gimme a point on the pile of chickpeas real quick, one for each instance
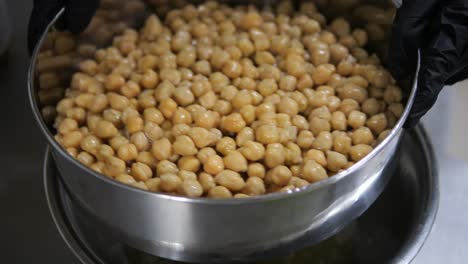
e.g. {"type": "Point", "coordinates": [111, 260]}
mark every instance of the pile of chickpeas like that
{"type": "Point", "coordinates": [221, 101]}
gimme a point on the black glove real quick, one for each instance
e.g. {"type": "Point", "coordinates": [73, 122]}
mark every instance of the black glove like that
{"type": "Point", "coordinates": [76, 18]}
{"type": "Point", "coordinates": [439, 28]}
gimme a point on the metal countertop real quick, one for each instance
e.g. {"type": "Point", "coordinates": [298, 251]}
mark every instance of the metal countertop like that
{"type": "Point", "coordinates": [28, 234]}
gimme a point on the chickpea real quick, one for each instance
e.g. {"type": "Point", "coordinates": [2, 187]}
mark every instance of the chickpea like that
{"type": "Point", "coordinates": [208, 100]}
{"type": "Point", "coordinates": [105, 129]}
{"type": "Point", "coordinates": [323, 141]}
{"type": "Point", "coordinates": [125, 178]}
{"type": "Point", "coordinates": [113, 166]}
{"type": "Point", "coordinates": [67, 125]}
{"type": "Point", "coordinates": [357, 152]}
{"type": "Point", "coordinates": [235, 161]}
{"type": "Point", "coordinates": [397, 109]}
{"type": "Point", "coordinates": [319, 98]}
{"type": "Point", "coordinates": [184, 145]}
{"type": "Point", "coordinates": [170, 182]}
{"type": "Point", "coordinates": [248, 113]}
{"type": "Point", "coordinates": [225, 145]}
{"type": "Point", "coordinates": [149, 79]}
{"type": "Point", "coordinates": [85, 158]}
{"type": "Point", "coordinates": [254, 186]}
{"type": "Point", "coordinates": [89, 144]}
{"type": "Point", "coordinates": [288, 106]}
{"type": "Point", "coordinates": [377, 123]}
{"type": "Point", "coordinates": [184, 96]}
{"type": "Point", "coordinates": [153, 115]}
{"type": "Point", "coordinates": [233, 123]}
{"type": "Point", "coordinates": [370, 106]}
{"type": "Point", "coordinates": [168, 107]}
{"type": "Point", "coordinates": [166, 166]}
{"type": "Point", "coordinates": [392, 94]}
{"type": "Point", "coordinates": [336, 161]}
{"type": "Point", "coordinates": [219, 192]}
{"type": "Point", "coordinates": [345, 68]}
{"type": "Point", "coordinates": [230, 179]}
{"type": "Point", "coordinates": [241, 99]}
{"type": "Point", "coordinates": [189, 163]}
{"type": "Point", "coordinates": [205, 153]}
{"type": "Point", "coordinates": [141, 171]}
{"type": "Point", "coordinates": [353, 91]}
{"type": "Point", "coordinates": [153, 184]}
{"type": "Point", "coordinates": [313, 172]}
{"type": "Point", "coordinates": [318, 125]}
{"type": "Point", "coordinates": [162, 149]}
{"type": "Point", "coordinates": [267, 134]}
{"type": "Point", "coordinates": [362, 135]}
{"type": "Point", "coordinates": [134, 124]}
{"type": "Point", "coordinates": [274, 155]}
{"type": "Point", "coordinates": [342, 144]}
{"type": "Point", "coordinates": [146, 158]}
{"type": "Point", "coordinates": [127, 152]}
{"type": "Point", "coordinates": [356, 119]}
{"type": "Point", "coordinates": [348, 105]}
{"type": "Point", "coordinates": [280, 175]}
{"type": "Point", "coordinates": [213, 165]}
{"type": "Point", "coordinates": [191, 188]}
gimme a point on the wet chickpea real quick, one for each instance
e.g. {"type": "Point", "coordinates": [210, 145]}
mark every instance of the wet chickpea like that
{"type": "Point", "coordinates": [85, 158]}
{"type": "Point", "coordinates": [141, 171]}
{"type": "Point", "coordinates": [348, 105]}
{"type": "Point", "coordinates": [362, 135]}
{"type": "Point", "coordinates": [397, 109]}
{"type": "Point", "coordinates": [233, 123]}
{"type": "Point", "coordinates": [342, 144]}
{"type": "Point", "coordinates": [212, 92]}
{"type": "Point", "coordinates": [313, 172]}
{"type": "Point", "coordinates": [274, 155]}
{"type": "Point", "coordinates": [162, 149]}
{"type": "Point", "coordinates": [230, 179]}
{"type": "Point", "coordinates": [153, 184]}
{"type": "Point", "coordinates": [370, 106]}
{"type": "Point", "coordinates": [169, 182]}
{"type": "Point", "coordinates": [89, 144]}
{"type": "Point", "coordinates": [219, 192]}
{"type": "Point", "coordinates": [357, 152]}
{"type": "Point", "coordinates": [225, 145]}
{"type": "Point", "coordinates": [134, 124]}
{"type": "Point", "coordinates": [125, 178]}
{"type": "Point", "coordinates": [67, 125]}
{"type": "Point", "coordinates": [213, 165]}
{"type": "Point", "coordinates": [323, 141]}
{"type": "Point", "coordinates": [356, 119]}
{"type": "Point", "coordinates": [235, 161]}
{"type": "Point", "coordinates": [336, 161]}
{"type": "Point", "coordinates": [153, 115]}
{"type": "Point", "coordinates": [377, 123]}
{"type": "Point", "coordinates": [150, 79]}
{"type": "Point", "coordinates": [113, 166]}
{"type": "Point", "coordinates": [127, 152]}
{"type": "Point", "coordinates": [204, 154]}
{"type": "Point", "coordinates": [166, 166]}
{"type": "Point", "coordinates": [288, 106]}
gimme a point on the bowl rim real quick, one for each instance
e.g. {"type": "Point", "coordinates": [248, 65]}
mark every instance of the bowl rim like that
{"type": "Point", "coordinates": [395, 132]}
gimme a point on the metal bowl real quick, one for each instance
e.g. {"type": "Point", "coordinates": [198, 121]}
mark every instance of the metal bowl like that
{"type": "Point", "coordinates": [211, 230]}
{"type": "Point", "coordinates": [391, 231]}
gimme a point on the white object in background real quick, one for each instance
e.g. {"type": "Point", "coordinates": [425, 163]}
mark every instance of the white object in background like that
{"type": "Point", "coordinates": [457, 143]}
{"type": "Point", "coordinates": [5, 30]}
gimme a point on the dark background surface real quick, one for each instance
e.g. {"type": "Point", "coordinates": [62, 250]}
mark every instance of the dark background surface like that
{"type": "Point", "coordinates": [27, 232]}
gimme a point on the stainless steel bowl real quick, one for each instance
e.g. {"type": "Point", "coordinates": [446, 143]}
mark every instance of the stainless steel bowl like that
{"type": "Point", "coordinates": [391, 231]}
{"type": "Point", "coordinates": [210, 230]}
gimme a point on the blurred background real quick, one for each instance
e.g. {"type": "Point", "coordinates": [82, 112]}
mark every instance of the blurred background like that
{"type": "Point", "coordinates": [28, 234]}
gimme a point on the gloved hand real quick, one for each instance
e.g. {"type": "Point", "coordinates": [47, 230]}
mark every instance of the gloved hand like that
{"type": "Point", "coordinates": [76, 18]}
{"type": "Point", "coordinates": [439, 28]}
